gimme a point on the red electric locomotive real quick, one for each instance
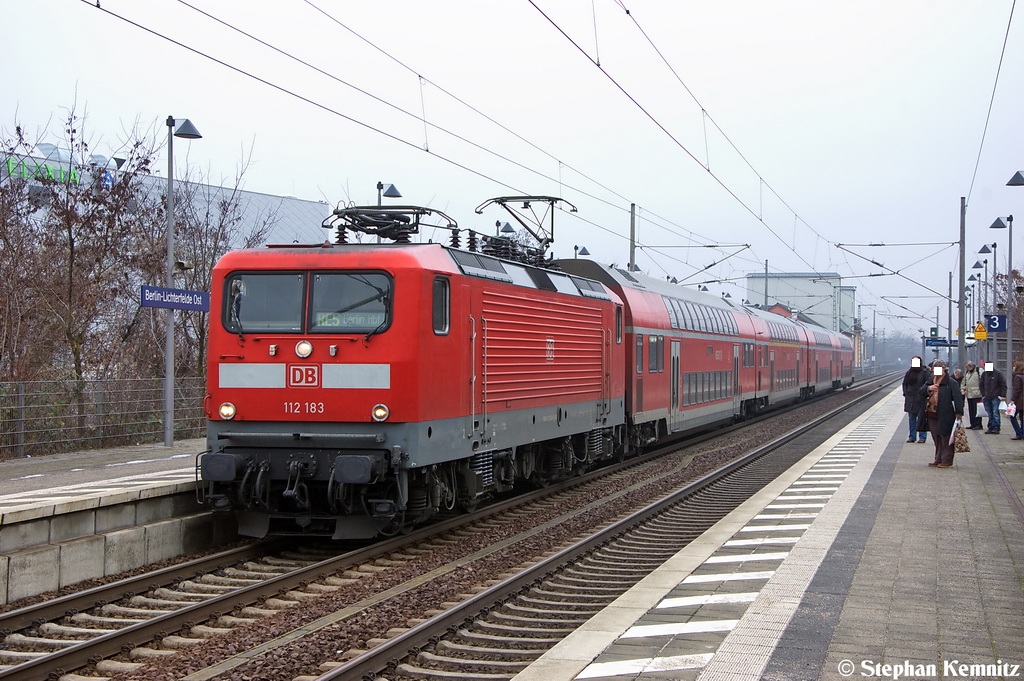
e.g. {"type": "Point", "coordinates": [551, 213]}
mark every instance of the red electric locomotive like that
{"type": "Point", "coordinates": [357, 389]}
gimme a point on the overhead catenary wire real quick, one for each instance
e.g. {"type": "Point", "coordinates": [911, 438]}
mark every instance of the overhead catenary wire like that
{"type": "Point", "coordinates": [396, 138]}
{"type": "Point", "coordinates": [647, 215]}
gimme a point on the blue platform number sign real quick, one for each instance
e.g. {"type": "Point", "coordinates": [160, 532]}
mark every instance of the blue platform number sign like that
{"type": "Point", "coordinates": [995, 323]}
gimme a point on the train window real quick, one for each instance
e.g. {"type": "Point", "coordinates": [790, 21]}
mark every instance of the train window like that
{"type": "Point", "coordinates": [541, 279]}
{"type": "Point", "coordinates": [639, 353]}
{"type": "Point", "coordinates": [652, 357]}
{"type": "Point", "coordinates": [686, 389]}
{"type": "Point", "coordinates": [590, 289]}
{"type": "Point", "coordinates": [673, 316]}
{"type": "Point", "coordinates": [441, 306]}
{"type": "Point", "coordinates": [264, 302]}
{"type": "Point", "coordinates": [618, 324]}
{"type": "Point", "coordinates": [482, 266]}
{"type": "Point", "coordinates": [661, 353]}
{"type": "Point", "coordinates": [691, 317]}
{"type": "Point", "coordinates": [357, 302]}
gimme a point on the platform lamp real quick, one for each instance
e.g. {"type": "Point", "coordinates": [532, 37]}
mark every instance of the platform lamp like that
{"type": "Point", "coordinates": [503, 228]}
{"type": "Point", "coordinates": [982, 284]}
{"type": "Point", "coordinates": [577, 251]}
{"type": "Point", "coordinates": [1008, 225]}
{"type": "Point", "coordinates": [185, 130]}
{"type": "Point", "coordinates": [985, 250]}
{"type": "Point", "coordinates": [389, 190]}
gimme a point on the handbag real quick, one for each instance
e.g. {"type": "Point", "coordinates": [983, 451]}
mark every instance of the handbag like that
{"type": "Point", "coordinates": [960, 444]}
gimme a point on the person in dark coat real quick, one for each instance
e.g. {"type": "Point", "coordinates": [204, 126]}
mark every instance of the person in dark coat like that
{"type": "Point", "coordinates": [993, 391]}
{"type": "Point", "coordinates": [944, 404]}
{"type": "Point", "coordinates": [913, 400]}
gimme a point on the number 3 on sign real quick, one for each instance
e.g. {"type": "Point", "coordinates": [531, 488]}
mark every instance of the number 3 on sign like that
{"type": "Point", "coordinates": [996, 322]}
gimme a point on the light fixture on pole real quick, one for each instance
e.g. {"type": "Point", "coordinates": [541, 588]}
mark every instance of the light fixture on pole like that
{"type": "Point", "coordinates": [983, 281]}
{"type": "Point", "coordinates": [503, 228]}
{"type": "Point", "coordinates": [1008, 225]}
{"type": "Point", "coordinates": [389, 190]}
{"type": "Point", "coordinates": [577, 251]}
{"type": "Point", "coordinates": [184, 130]}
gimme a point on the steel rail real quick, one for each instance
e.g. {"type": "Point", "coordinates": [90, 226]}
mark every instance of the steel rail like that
{"type": "Point", "coordinates": [382, 658]}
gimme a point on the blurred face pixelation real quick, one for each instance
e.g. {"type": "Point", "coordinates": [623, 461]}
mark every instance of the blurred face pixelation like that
{"type": "Point", "coordinates": [989, 366]}
{"type": "Point", "coordinates": [915, 363]}
{"type": "Point", "coordinates": [937, 371]}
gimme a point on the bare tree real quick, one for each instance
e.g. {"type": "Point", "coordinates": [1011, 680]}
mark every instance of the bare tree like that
{"type": "Point", "coordinates": [212, 221]}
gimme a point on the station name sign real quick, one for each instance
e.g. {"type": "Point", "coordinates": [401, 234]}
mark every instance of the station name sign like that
{"type": "Point", "coordinates": [175, 298]}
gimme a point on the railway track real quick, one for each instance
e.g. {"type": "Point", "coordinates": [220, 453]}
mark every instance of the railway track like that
{"type": "Point", "coordinates": [203, 605]}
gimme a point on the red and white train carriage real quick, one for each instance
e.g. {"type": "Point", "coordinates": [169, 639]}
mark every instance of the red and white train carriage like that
{"type": "Point", "coordinates": [709, 361]}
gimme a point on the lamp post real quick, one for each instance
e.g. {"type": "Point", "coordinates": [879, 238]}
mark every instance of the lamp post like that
{"type": "Point", "coordinates": [389, 190]}
{"type": "Point", "coordinates": [184, 130]}
{"type": "Point", "coordinates": [577, 251]}
{"type": "Point", "coordinates": [1008, 225]}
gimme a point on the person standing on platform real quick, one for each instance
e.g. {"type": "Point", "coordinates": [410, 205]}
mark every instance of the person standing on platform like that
{"type": "Point", "coordinates": [971, 389]}
{"type": "Point", "coordinates": [944, 404]}
{"type": "Point", "coordinates": [913, 401]}
{"type": "Point", "coordinates": [993, 391]}
{"type": "Point", "coordinates": [1017, 399]}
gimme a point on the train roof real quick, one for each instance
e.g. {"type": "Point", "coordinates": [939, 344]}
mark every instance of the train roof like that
{"type": "Point", "coordinates": [437, 257]}
{"type": "Point", "coordinates": [611, 275]}
{"type": "Point", "coordinates": [619, 277]}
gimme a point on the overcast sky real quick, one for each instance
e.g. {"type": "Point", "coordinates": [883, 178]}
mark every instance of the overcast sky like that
{"type": "Point", "coordinates": [790, 126]}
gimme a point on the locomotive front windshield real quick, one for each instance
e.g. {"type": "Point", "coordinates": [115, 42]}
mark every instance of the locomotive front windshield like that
{"type": "Point", "coordinates": [332, 302]}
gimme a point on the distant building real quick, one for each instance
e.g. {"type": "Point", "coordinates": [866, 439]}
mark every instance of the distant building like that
{"type": "Point", "coordinates": [293, 219]}
{"type": "Point", "coordinates": [819, 296]}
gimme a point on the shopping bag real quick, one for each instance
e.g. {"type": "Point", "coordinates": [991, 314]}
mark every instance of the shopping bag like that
{"type": "Point", "coordinates": [1011, 409]}
{"type": "Point", "coordinates": [958, 438]}
{"type": "Point", "coordinates": [1002, 405]}
{"type": "Point", "coordinates": [981, 409]}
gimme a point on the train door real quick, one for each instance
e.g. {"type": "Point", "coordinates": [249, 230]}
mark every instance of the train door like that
{"type": "Point", "coordinates": [760, 362]}
{"type": "Point", "coordinates": [675, 377]}
{"type": "Point", "coordinates": [737, 398]}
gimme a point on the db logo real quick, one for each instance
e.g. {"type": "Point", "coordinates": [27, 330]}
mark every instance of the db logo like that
{"type": "Point", "coordinates": [303, 375]}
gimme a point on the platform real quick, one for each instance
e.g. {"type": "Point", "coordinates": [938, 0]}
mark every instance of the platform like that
{"type": "Point", "coordinates": [82, 515]}
{"type": "Point", "coordinates": [861, 562]}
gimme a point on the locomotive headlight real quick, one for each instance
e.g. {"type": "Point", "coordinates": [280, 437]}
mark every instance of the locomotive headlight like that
{"type": "Point", "coordinates": [226, 411]}
{"type": "Point", "coordinates": [380, 412]}
{"type": "Point", "coordinates": [303, 348]}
